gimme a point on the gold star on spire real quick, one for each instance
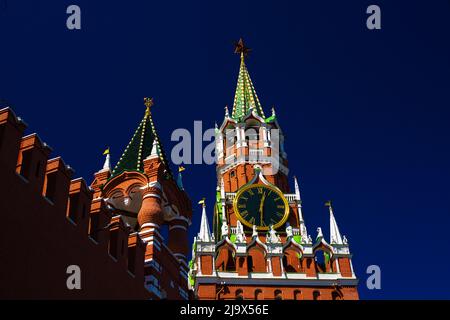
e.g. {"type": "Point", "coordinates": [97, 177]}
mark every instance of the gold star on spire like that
{"type": "Point", "coordinates": [148, 102]}
{"type": "Point", "coordinates": [239, 47]}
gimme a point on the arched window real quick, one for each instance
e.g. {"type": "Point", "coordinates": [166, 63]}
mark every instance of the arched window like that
{"type": "Point", "coordinates": [278, 295]}
{"type": "Point", "coordinates": [291, 261]}
{"type": "Point", "coordinates": [239, 295]}
{"type": "Point", "coordinates": [298, 295]}
{"type": "Point", "coordinates": [316, 295]}
{"type": "Point", "coordinates": [225, 260]}
{"type": "Point", "coordinates": [256, 261]}
{"type": "Point", "coordinates": [258, 294]}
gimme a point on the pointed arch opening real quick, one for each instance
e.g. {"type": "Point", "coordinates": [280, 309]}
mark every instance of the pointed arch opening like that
{"type": "Point", "coordinates": [256, 259]}
{"type": "Point", "coordinates": [225, 259]}
{"type": "Point", "coordinates": [323, 261]}
{"type": "Point", "coordinates": [292, 260]}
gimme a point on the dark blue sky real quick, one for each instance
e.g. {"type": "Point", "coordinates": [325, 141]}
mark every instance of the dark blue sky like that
{"type": "Point", "coordinates": [365, 113]}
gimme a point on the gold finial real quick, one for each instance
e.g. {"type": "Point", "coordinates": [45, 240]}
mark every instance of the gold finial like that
{"type": "Point", "coordinates": [328, 203]}
{"type": "Point", "coordinates": [239, 47]}
{"type": "Point", "coordinates": [148, 102]}
{"type": "Point", "coordinates": [203, 202]}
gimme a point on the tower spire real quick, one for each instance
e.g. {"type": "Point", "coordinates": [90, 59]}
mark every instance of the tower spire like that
{"type": "Point", "coordinates": [335, 235]}
{"type": "Point", "coordinates": [145, 142]}
{"type": "Point", "coordinates": [303, 231]}
{"type": "Point", "coordinates": [245, 96]}
{"type": "Point", "coordinates": [204, 234]}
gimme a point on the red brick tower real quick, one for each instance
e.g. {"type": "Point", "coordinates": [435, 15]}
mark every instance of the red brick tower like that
{"type": "Point", "coordinates": [142, 190]}
{"type": "Point", "coordinates": [260, 247]}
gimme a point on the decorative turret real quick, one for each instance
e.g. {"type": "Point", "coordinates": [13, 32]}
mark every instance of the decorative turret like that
{"type": "Point", "coordinates": [303, 231]}
{"type": "Point", "coordinates": [204, 233]}
{"type": "Point", "coordinates": [107, 164]}
{"type": "Point", "coordinates": [335, 235]}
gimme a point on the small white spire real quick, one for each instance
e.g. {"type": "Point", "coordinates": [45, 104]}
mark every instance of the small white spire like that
{"type": "Point", "coordinates": [273, 112]}
{"type": "Point", "coordinates": [155, 150]}
{"type": "Point", "coordinates": [303, 231]}
{"type": "Point", "coordinates": [297, 190]}
{"type": "Point", "coordinates": [107, 164]}
{"type": "Point", "coordinates": [204, 234]}
{"type": "Point", "coordinates": [335, 235]}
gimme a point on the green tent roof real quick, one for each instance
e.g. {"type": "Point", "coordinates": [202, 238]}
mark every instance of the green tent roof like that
{"type": "Point", "coordinates": [140, 147]}
{"type": "Point", "coordinates": [245, 96]}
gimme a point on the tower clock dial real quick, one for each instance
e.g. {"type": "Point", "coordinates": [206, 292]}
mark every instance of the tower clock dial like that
{"type": "Point", "coordinates": [261, 205]}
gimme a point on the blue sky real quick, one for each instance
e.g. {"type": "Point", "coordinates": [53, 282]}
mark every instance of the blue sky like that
{"type": "Point", "coordinates": [365, 112]}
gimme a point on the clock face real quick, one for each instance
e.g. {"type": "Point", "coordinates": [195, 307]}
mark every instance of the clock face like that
{"type": "Point", "coordinates": [262, 206]}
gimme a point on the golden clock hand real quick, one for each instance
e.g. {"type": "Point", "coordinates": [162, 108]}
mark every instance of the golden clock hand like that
{"type": "Point", "coordinates": [261, 206]}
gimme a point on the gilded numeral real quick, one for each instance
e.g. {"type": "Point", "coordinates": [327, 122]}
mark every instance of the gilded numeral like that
{"type": "Point", "coordinates": [260, 190]}
{"type": "Point", "coordinates": [280, 214]}
{"type": "Point", "coordinates": [241, 206]}
{"type": "Point", "coordinates": [250, 191]}
{"type": "Point", "coordinates": [280, 207]}
{"type": "Point", "coordinates": [276, 199]}
{"type": "Point", "coordinates": [252, 220]}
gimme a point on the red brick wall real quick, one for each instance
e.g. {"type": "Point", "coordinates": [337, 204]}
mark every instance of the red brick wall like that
{"type": "Point", "coordinates": [39, 241]}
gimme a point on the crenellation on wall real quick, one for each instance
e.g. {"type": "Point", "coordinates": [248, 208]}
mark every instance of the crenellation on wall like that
{"type": "Point", "coordinates": [41, 200]}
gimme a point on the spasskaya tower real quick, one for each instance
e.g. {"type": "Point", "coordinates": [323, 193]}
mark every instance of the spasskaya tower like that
{"type": "Point", "coordinates": [259, 246]}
